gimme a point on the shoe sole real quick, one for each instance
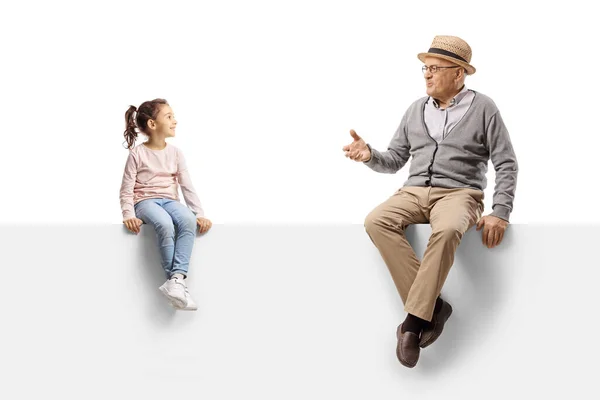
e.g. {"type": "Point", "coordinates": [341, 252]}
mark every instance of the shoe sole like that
{"type": "Point", "coordinates": [186, 308]}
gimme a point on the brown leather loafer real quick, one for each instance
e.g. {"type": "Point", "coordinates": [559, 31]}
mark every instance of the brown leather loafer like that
{"type": "Point", "coordinates": [407, 349]}
{"type": "Point", "coordinates": [430, 334]}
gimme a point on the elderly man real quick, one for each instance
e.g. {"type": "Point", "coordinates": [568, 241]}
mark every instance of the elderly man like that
{"type": "Point", "coordinates": [450, 134]}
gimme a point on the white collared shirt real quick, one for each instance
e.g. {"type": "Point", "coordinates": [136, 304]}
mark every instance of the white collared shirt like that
{"type": "Point", "coordinates": [440, 122]}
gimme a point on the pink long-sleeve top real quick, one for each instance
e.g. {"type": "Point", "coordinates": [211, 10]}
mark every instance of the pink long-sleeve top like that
{"type": "Point", "coordinates": [151, 174]}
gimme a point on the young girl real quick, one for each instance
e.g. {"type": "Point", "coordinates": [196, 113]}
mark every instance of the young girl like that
{"type": "Point", "coordinates": [149, 194]}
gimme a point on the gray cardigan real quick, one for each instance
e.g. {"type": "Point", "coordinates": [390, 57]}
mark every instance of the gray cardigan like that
{"type": "Point", "coordinates": [461, 159]}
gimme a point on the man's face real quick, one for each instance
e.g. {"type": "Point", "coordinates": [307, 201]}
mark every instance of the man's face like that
{"type": "Point", "coordinates": [443, 83]}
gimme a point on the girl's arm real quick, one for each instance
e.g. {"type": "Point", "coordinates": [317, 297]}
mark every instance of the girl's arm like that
{"type": "Point", "coordinates": [187, 188]}
{"type": "Point", "coordinates": [126, 193]}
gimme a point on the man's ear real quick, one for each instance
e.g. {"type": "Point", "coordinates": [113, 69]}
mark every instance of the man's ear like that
{"type": "Point", "coordinates": [460, 74]}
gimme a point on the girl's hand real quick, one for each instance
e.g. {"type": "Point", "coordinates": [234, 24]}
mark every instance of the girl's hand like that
{"type": "Point", "coordinates": [133, 224]}
{"type": "Point", "coordinates": [204, 224]}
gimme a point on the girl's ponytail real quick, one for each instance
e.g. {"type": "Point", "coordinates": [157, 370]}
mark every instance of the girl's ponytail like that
{"type": "Point", "coordinates": [130, 133]}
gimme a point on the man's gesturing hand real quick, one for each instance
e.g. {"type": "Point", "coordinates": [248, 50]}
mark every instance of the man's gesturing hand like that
{"type": "Point", "coordinates": [358, 149]}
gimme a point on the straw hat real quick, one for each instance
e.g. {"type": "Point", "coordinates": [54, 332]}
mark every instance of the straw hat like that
{"type": "Point", "coordinates": [450, 48]}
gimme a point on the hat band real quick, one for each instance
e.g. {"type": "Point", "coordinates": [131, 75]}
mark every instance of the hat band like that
{"type": "Point", "coordinates": [435, 50]}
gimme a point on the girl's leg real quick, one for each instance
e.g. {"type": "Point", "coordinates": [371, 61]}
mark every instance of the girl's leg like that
{"type": "Point", "coordinates": [152, 213]}
{"type": "Point", "coordinates": [185, 230]}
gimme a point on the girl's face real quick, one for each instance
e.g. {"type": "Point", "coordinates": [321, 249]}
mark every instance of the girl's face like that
{"type": "Point", "coordinates": [165, 123]}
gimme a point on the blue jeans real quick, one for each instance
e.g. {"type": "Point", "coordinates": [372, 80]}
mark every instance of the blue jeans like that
{"type": "Point", "coordinates": [175, 227]}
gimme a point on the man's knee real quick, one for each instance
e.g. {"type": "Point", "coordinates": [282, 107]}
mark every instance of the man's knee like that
{"type": "Point", "coordinates": [448, 233]}
{"type": "Point", "coordinates": [371, 220]}
{"type": "Point", "coordinates": [378, 219]}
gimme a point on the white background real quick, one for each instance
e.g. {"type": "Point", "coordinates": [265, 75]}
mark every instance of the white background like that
{"type": "Point", "coordinates": [265, 93]}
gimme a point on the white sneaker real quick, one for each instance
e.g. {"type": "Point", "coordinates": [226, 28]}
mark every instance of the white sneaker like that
{"type": "Point", "coordinates": [190, 303]}
{"type": "Point", "coordinates": [175, 290]}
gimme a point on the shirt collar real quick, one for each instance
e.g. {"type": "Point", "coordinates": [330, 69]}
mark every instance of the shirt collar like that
{"type": "Point", "coordinates": [455, 100]}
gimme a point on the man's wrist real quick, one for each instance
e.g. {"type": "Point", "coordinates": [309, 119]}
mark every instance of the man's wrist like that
{"type": "Point", "coordinates": [370, 154]}
{"type": "Point", "coordinates": [501, 212]}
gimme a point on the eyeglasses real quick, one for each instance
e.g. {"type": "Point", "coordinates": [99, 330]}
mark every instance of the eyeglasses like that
{"type": "Point", "coordinates": [434, 68]}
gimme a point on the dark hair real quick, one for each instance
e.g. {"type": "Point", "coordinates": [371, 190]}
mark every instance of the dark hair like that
{"type": "Point", "coordinates": [147, 110]}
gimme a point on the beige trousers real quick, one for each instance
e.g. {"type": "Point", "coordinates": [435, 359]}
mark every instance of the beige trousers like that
{"type": "Point", "coordinates": [451, 212]}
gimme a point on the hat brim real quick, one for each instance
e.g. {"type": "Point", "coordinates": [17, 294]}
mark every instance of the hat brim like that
{"type": "Point", "coordinates": [470, 69]}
